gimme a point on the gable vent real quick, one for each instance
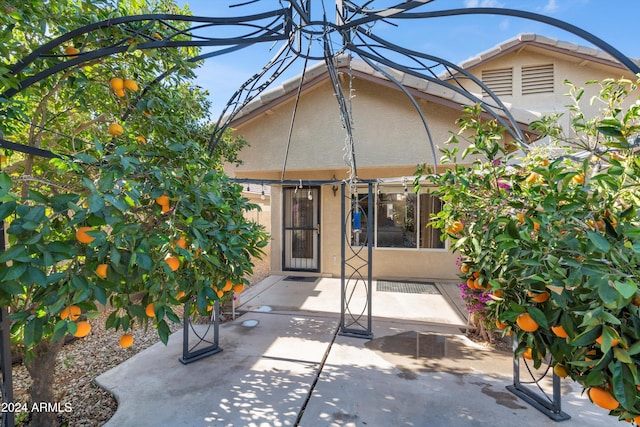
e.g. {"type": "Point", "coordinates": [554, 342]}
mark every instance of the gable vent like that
{"type": "Point", "coordinates": [537, 79]}
{"type": "Point", "coordinates": [499, 82]}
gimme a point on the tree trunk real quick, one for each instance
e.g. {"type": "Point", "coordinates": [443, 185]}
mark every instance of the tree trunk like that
{"type": "Point", "coordinates": [42, 370]}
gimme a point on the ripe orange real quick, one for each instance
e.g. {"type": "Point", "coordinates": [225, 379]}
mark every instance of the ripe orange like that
{"type": "Point", "coordinates": [141, 139]}
{"type": "Point", "coordinates": [116, 83]}
{"type": "Point", "coordinates": [181, 242]}
{"type": "Point", "coordinates": [455, 227]}
{"type": "Point", "coordinates": [544, 162]}
{"type": "Point", "coordinates": [173, 263]}
{"type": "Point", "coordinates": [131, 85]}
{"type": "Point", "coordinates": [541, 297]}
{"type": "Point", "coordinates": [465, 268]}
{"type": "Point", "coordinates": [126, 340]}
{"type": "Point", "coordinates": [180, 295]}
{"type": "Point", "coordinates": [162, 200]}
{"type": "Point", "coordinates": [83, 329]}
{"type": "Point", "coordinates": [614, 342]}
{"type": "Point", "coordinates": [559, 331]}
{"type": "Point", "coordinates": [228, 286]}
{"type": "Point", "coordinates": [578, 179]}
{"type": "Point", "coordinates": [521, 217]}
{"type": "Point", "coordinates": [536, 226]}
{"type": "Point", "coordinates": [533, 178]}
{"type": "Point", "coordinates": [166, 208]}
{"type": "Point", "coordinates": [101, 271]}
{"type": "Point", "coordinates": [220, 293]}
{"type": "Point", "coordinates": [238, 288]}
{"type": "Point", "coordinates": [501, 325]}
{"type": "Point", "coordinates": [561, 371]}
{"type": "Point", "coordinates": [115, 129]}
{"type": "Point", "coordinates": [119, 93]}
{"type": "Point", "coordinates": [71, 312]}
{"type": "Point", "coordinates": [526, 323]}
{"type": "Point", "coordinates": [498, 293]}
{"type": "Point", "coordinates": [82, 236]}
{"type": "Point", "coordinates": [147, 113]}
{"type": "Point", "coordinates": [603, 398]}
{"type": "Point", "coordinates": [71, 51]}
{"type": "Point", "coordinates": [150, 310]}
{"type": "Point", "coordinates": [527, 354]}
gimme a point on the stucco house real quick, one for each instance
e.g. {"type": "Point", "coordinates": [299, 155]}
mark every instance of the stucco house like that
{"type": "Point", "coordinates": [527, 73]}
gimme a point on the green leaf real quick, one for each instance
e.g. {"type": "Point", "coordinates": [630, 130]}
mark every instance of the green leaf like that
{"type": "Point", "coordinates": [6, 209]}
{"type": "Point", "coordinates": [34, 275]}
{"type": "Point", "coordinates": [29, 333]}
{"type": "Point", "coordinates": [587, 337]}
{"type": "Point", "coordinates": [14, 253]}
{"type": "Point", "coordinates": [626, 289]}
{"type": "Point", "coordinates": [621, 355]}
{"type": "Point", "coordinates": [144, 261]}
{"type": "Point", "coordinates": [15, 271]}
{"type": "Point", "coordinates": [599, 241]}
{"type": "Point", "coordinates": [105, 183]}
{"type": "Point", "coordinates": [96, 203]}
{"type": "Point", "coordinates": [624, 389]}
{"type": "Point", "coordinates": [608, 294]}
{"type": "Point", "coordinates": [163, 331]}
{"type": "Point", "coordinates": [59, 330]}
{"type": "Point", "coordinates": [538, 316]}
{"type": "Point", "coordinates": [60, 202]}
{"type": "Point", "coordinates": [5, 184]}
{"type": "Point", "coordinates": [100, 295]}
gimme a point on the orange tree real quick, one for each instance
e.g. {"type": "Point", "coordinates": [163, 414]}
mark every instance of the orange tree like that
{"type": "Point", "coordinates": [135, 216]}
{"type": "Point", "coordinates": [555, 240]}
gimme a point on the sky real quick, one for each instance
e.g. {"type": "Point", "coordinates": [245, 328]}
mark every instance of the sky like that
{"type": "Point", "coordinates": [455, 38]}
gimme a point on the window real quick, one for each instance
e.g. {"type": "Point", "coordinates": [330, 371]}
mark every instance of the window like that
{"type": "Point", "coordinates": [537, 79]}
{"type": "Point", "coordinates": [400, 220]}
{"type": "Point", "coordinates": [500, 82]}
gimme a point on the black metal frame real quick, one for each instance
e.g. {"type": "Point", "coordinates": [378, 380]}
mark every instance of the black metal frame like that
{"type": "Point", "coordinates": [210, 346]}
{"type": "Point", "coordinates": [551, 407]}
{"type": "Point", "coordinates": [355, 273]}
{"type": "Point", "coordinates": [291, 24]}
{"type": "Point", "coordinates": [316, 228]}
{"type": "Point", "coordinates": [8, 418]}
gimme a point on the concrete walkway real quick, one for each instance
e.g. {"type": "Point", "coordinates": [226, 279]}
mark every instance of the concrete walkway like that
{"type": "Point", "coordinates": [294, 369]}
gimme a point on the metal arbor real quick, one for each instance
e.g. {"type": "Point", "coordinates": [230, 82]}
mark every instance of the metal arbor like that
{"type": "Point", "coordinates": [306, 33]}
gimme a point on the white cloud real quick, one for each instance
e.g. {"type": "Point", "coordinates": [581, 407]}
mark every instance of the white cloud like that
{"type": "Point", "coordinates": [551, 6]}
{"type": "Point", "coordinates": [483, 3]}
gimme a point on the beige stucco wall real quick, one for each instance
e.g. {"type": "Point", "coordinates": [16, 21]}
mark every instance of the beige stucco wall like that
{"type": "Point", "coordinates": [390, 141]}
{"type": "Point", "coordinates": [388, 135]}
{"type": "Point", "coordinates": [576, 70]}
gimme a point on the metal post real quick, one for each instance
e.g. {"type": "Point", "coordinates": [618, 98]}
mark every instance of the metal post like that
{"type": "Point", "coordinates": [8, 418]}
{"type": "Point", "coordinates": [355, 265]}
{"type": "Point", "coordinates": [211, 347]}
{"type": "Point", "coordinates": [550, 407]}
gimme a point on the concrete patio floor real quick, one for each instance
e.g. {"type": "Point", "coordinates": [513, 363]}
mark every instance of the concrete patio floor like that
{"type": "Point", "coordinates": [293, 368]}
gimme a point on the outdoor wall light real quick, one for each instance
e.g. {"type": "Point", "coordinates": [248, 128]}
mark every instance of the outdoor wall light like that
{"type": "Point", "coordinates": [309, 195]}
{"type": "Point", "coordinates": [262, 197]}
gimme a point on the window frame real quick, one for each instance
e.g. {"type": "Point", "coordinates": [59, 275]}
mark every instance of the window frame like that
{"type": "Point", "coordinates": [419, 207]}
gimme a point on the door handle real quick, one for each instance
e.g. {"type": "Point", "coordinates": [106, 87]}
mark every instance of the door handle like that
{"type": "Point", "coordinates": [318, 229]}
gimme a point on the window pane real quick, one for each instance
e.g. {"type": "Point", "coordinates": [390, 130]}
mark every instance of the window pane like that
{"type": "Point", "coordinates": [396, 220]}
{"type": "Point", "coordinates": [429, 236]}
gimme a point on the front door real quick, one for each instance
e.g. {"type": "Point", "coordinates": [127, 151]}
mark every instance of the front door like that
{"type": "Point", "coordinates": [301, 229]}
